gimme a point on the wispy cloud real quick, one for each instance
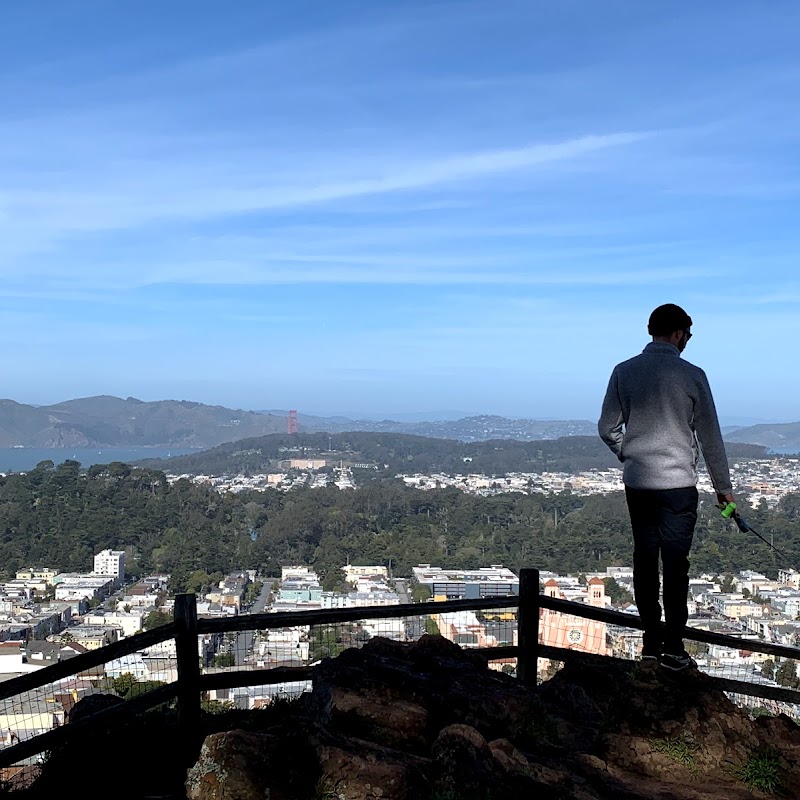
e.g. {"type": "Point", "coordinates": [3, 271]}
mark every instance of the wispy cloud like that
{"type": "Point", "coordinates": [136, 195]}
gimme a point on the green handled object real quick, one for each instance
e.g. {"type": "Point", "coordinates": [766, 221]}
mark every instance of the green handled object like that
{"type": "Point", "coordinates": [729, 510]}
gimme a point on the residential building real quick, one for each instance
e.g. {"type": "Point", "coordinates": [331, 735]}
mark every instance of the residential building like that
{"type": "Point", "coordinates": [91, 637]}
{"type": "Point", "coordinates": [34, 574]}
{"type": "Point", "coordinates": [352, 573]}
{"type": "Point", "coordinates": [129, 623]}
{"type": "Point", "coordinates": [74, 586]}
{"type": "Point", "coordinates": [789, 577]}
{"type": "Point", "coordinates": [25, 718]}
{"type": "Point", "coordinates": [132, 664]}
{"type": "Point", "coordinates": [12, 662]}
{"type": "Point", "coordinates": [462, 627]}
{"type": "Point", "coordinates": [111, 562]}
{"type": "Point", "coordinates": [734, 606]}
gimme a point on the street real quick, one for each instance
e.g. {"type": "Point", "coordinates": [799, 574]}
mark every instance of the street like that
{"type": "Point", "coordinates": [244, 640]}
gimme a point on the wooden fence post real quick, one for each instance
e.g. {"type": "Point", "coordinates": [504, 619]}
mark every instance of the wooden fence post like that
{"type": "Point", "coordinates": [188, 672]}
{"type": "Point", "coordinates": [528, 626]}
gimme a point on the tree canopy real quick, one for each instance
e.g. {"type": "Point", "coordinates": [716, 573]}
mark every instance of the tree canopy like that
{"type": "Point", "coordinates": [60, 517]}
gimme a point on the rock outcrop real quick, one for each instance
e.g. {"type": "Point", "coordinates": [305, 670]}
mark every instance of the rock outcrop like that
{"type": "Point", "coordinates": [397, 721]}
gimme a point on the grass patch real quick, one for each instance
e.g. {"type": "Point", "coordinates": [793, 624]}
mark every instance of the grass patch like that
{"type": "Point", "coordinates": [324, 790]}
{"type": "Point", "coordinates": [680, 749]}
{"type": "Point", "coordinates": [762, 771]}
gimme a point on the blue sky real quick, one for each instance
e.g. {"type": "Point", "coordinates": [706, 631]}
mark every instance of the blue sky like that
{"type": "Point", "coordinates": [381, 207]}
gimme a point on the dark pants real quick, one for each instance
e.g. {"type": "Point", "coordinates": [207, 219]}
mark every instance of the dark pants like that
{"type": "Point", "coordinates": [663, 523]}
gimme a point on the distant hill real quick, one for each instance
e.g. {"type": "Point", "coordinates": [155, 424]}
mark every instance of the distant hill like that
{"type": "Point", "coordinates": [469, 429]}
{"type": "Point", "coordinates": [772, 435]}
{"type": "Point", "coordinates": [393, 453]}
{"type": "Point", "coordinates": [106, 421]}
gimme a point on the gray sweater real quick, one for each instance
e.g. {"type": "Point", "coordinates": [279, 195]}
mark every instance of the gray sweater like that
{"type": "Point", "coordinates": [657, 409]}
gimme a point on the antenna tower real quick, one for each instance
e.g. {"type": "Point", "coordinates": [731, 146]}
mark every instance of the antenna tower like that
{"type": "Point", "coordinates": [292, 421]}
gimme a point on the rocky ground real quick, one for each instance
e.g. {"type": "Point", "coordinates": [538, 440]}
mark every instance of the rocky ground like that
{"type": "Point", "coordinates": [429, 721]}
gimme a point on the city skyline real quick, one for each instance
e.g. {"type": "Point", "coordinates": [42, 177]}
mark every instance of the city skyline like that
{"type": "Point", "coordinates": [375, 208]}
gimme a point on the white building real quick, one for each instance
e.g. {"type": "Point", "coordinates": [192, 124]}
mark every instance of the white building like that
{"type": "Point", "coordinates": [72, 586]}
{"type": "Point", "coordinates": [298, 572]}
{"type": "Point", "coordinates": [789, 577]}
{"type": "Point", "coordinates": [132, 664]}
{"type": "Point", "coordinates": [352, 573]}
{"type": "Point", "coordinates": [283, 646]}
{"type": "Point", "coordinates": [110, 562]}
{"type": "Point", "coordinates": [11, 660]}
{"type": "Point", "coordinates": [375, 597]}
{"type": "Point", "coordinates": [131, 623]}
{"type": "Point", "coordinates": [453, 584]}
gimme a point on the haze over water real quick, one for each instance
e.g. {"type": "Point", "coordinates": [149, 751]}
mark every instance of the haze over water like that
{"type": "Point", "coordinates": [21, 459]}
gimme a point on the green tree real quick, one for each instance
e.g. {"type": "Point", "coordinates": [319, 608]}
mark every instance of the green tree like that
{"type": "Point", "coordinates": [421, 593]}
{"type": "Point", "coordinates": [224, 660]}
{"type": "Point", "coordinates": [616, 593]}
{"type": "Point", "coordinates": [156, 619]}
{"type": "Point", "coordinates": [326, 642]}
{"type": "Point", "coordinates": [786, 674]}
{"type": "Point", "coordinates": [431, 626]}
{"type": "Point", "coordinates": [124, 683]}
{"type": "Point", "coordinates": [216, 706]}
{"type": "Point", "coordinates": [142, 687]}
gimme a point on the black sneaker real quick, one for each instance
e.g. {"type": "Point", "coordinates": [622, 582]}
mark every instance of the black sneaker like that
{"type": "Point", "coordinates": [650, 655]}
{"type": "Point", "coordinates": [677, 661]}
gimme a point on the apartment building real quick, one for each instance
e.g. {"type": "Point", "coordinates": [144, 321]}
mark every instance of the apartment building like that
{"type": "Point", "coordinates": [45, 575]}
{"type": "Point", "coordinates": [111, 562]}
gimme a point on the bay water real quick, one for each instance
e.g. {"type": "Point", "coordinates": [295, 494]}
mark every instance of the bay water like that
{"type": "Point", "coordinates": [22, 459]}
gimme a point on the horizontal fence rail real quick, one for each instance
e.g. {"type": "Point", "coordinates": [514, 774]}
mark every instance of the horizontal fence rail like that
{"type": "Point", "coordinates": [693, 634]}
{"type": "Point", "coordinates": [332, 616]}
{"type": "Point", "coordinates": [778, 693]}
{"type": "Point", "coordinates": [58, 736]}
{"type": "Point", "coordinates": [191, 684]}
{"type": "Point", "coordinates": [86, 661]}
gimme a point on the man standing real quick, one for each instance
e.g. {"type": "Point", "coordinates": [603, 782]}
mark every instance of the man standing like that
{"type": "Point", "coordinates": [657, 413]}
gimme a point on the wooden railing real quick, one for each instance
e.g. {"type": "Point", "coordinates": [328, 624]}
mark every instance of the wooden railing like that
{"type": "Point", "coordinates": [191, 684]}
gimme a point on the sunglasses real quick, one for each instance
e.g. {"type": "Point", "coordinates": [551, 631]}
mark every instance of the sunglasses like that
{"type": "Point", "coordinates": [688, 335]}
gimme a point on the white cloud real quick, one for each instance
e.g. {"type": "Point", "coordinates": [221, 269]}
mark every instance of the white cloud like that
{"type": "Point", "coordinates": [133, 194]}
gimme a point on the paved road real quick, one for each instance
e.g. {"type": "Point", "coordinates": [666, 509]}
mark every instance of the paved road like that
{"type": "Point", "coordinates": [245, 639]}
{"type": "Point", "coordinates": [415, 626]}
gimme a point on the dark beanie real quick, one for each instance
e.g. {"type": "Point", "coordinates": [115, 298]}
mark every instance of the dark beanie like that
{"type": "Point", "coordinates": [668, 318]}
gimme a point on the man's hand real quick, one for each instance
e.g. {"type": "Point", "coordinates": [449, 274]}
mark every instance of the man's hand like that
{"type": "Point", "coordinates": [724, 499]}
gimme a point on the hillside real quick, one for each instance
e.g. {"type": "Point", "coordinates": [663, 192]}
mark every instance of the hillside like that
{"type": "Point", "coordinates": [394, 452]}
{"type": "Point", "coordinates": [113, 422]}
{"type": "Point", "coordinates": [107, 421]}
{"type": "Point", "coordinates": [772, 435]}
{"type": "Point", "coordinates": [482, 427]}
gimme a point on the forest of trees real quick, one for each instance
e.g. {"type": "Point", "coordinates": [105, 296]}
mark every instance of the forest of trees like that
{"type": "Point", "coordinates": [60, 516]}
